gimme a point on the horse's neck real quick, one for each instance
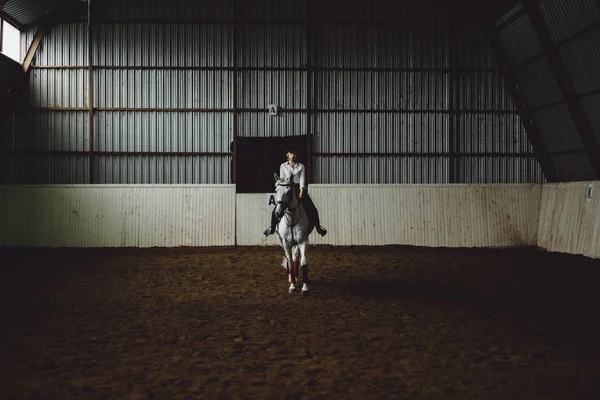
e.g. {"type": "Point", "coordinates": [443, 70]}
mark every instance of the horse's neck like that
{"type": "Point", "coordinates": [294, 203]}
{"type": "Point", "coordinates": [293, 213]}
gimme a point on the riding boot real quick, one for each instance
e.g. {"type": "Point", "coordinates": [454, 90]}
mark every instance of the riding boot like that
{"type": "Point", "coordinates": [313, 214]}
{"type": "Point", "coordinates": [271, 230]}
{"type": "Point", "coordinates": [320, 230]}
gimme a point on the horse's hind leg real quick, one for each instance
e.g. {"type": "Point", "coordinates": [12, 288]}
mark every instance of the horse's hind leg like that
{"type": "Point", "coordinates": [296, 253]}
{"type": "Point", "coordinates": [304, 263]}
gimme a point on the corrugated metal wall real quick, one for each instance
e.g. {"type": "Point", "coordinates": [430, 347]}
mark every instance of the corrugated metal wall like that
{"type": "Point", "coordinates": [387, 95]}
{"type": "Point", "coordinates": [412, 101]}
{"type": "Point", "coordinates": [437, 215]}
{"type": "Point", "coordinates": [570, 218]}
{"type": "Point", "coordinates": [213, 215]}
{"type": "Point", "coordinates": [117, 215]}
{"type": "Point", "coordinates": [553, 48]}
{"type": "Point", "coordinates": [556, 217]}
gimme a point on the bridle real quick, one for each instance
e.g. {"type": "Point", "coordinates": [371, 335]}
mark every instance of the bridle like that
{"type": "Point", "coordinates": [286, 210]}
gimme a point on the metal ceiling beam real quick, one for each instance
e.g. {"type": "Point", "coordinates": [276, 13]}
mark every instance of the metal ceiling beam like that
{"type": "Point", "coordinates": [565, 83]}
{"type": "Point", "coordinates": [44, 25]}
{"type": "Point", "coordinates": [90, 94]}
{"type": "Point", "coordinates": [512, 83]}
{"type": "Point", "coordinates": [39, 34]}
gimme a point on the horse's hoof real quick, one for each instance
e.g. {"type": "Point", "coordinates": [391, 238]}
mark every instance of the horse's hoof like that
{"type": "Point", "coordinates": [304, 289]}
{"type": "Point", "coordinates": [291, 288]}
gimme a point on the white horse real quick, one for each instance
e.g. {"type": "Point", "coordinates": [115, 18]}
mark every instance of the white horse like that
{"type": "Point", "coordinates": [292, 230]}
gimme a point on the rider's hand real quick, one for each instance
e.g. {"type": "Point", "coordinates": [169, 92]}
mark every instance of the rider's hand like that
{"type": "Point", "coordinates": [301, 192]}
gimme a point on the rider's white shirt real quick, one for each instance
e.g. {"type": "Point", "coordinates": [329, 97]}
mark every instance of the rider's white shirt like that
{"type": "Point", "coordinates": [297, 172]}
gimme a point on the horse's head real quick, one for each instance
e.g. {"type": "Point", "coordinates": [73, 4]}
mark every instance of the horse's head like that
{"type": "Point", "coordinates": [285, 196]}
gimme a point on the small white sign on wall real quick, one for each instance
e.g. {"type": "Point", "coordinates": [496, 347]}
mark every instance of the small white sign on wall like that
{"type": "Point", "coordinates": [272, 109]}
{"type": "Point", "coordinates": [271, 200]}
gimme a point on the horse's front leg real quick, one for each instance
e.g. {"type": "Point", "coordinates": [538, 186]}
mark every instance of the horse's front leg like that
{"type": "Point", "coordinates": [284, 261]}
{"type": "Point", "coordinates": [304, 263]}
{"type": "Point", "coordinates": [290, 267]}
{"type": "Point", "coordinates": [296, 261]}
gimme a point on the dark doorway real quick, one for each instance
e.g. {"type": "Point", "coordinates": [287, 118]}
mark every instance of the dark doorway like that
{"type": "Point", "coordinates": [258, 158]}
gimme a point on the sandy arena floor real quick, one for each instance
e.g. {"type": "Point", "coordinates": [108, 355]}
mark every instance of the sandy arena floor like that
{"type": "Point", "coordinates": [380, 323]}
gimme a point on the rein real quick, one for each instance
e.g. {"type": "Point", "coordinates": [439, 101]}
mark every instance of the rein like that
{"type": "Point", "coordinates": [289, 211]}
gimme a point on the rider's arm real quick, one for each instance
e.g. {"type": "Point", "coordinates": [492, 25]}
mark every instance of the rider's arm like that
{"type": "Point", "coordinates": [302, 180]}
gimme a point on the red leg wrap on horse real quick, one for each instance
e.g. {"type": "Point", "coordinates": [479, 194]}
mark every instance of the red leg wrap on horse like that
{"type": "Point", "coordinates": [292, 274]}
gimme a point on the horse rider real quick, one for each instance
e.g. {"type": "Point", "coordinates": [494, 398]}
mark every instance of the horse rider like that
{"type": "Point", "coordinates": [293, 169]}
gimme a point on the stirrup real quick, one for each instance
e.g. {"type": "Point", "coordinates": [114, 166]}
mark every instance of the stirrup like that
{"type": "Point", "coordinates": [268, 231]}
{"type": "Point", "coordinates": [321, 231]}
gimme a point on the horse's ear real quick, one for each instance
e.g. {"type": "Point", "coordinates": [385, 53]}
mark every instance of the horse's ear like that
{"type": "Point", "coordinates": [276, 177]}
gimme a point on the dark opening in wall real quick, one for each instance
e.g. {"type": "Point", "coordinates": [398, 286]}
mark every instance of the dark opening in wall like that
{"type": "Point", "coordinates": [258, 158]}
